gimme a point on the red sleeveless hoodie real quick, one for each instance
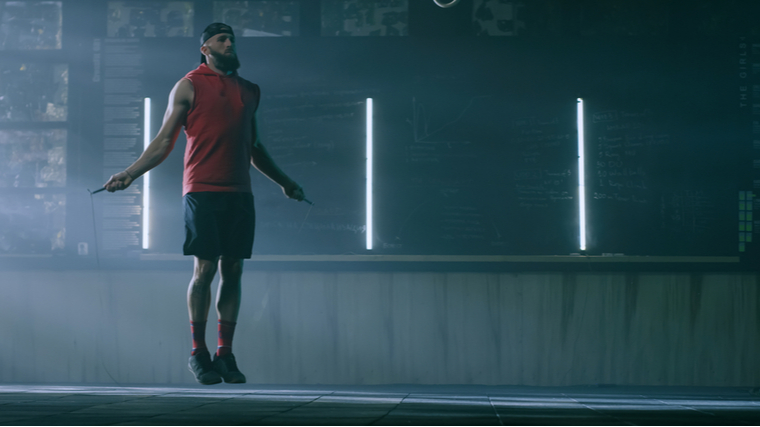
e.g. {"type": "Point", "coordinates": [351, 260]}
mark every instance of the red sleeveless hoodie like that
{"type": "Point", "coordinates": [219, 132]}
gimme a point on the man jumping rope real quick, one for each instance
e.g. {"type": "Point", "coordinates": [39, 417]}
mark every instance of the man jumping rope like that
{"type": "Point", "coordinates": [217, 109]}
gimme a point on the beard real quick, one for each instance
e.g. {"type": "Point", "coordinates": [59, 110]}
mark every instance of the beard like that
{"type": "Point", "coordinates": [224, 62]}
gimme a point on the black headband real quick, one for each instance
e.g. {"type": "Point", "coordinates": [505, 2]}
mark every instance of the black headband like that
{"type": "Point", "coordinates": [211, 31]}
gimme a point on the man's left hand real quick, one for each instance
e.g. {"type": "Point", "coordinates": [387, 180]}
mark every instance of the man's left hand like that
{"type": "Point", "coordinates": [294, 192]}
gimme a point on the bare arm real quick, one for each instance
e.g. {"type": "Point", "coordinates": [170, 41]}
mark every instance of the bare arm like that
{"type": "Point", "coordinates": [262, 161]}
{"type": "Point", "coordinates": [180, 101]}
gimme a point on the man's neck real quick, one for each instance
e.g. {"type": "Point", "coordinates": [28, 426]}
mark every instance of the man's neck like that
{"type": "Point", "coordinates": [214, 68]}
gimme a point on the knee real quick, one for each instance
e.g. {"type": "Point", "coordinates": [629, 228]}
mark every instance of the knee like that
{"type": "Point", "coordinates": [232, 269]}
{"type": "Point", "coordinates": [204, 272]}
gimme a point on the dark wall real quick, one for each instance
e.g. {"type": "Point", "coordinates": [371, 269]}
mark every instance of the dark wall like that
{"type": "Point", "coordinates": [475, 136]}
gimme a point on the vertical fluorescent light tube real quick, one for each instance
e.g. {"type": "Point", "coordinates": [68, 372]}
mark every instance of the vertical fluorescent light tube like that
{"type": "Point", "coordinates": [146, 177]}
{"type": "Point", "coordinates": [581, 177]}
{"type": "Point", "coordinates": [369, 174]}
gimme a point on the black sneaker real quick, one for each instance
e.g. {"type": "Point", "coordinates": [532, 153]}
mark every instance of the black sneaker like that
{"type": "Point", "coordinates": [201, 366]}
{"type": "Point", "coordinates": [228, 369]}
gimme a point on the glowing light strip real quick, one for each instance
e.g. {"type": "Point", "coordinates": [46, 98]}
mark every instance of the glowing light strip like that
{"type": "Point", "coordinates": [369, 174]}
{"type": "Point", "coordinates": [146, 177]}
{"type": "Point", "coordinates": [581, 177]}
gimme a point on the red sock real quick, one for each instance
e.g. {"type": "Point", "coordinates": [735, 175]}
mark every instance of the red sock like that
{"type": "Point", "coordinates": [226, 330]}
{"type": "Point", "coordinates": [198, 331]}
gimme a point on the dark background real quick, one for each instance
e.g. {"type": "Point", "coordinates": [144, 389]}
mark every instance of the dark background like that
{"type": "Point", "coordinates": [475, 136]}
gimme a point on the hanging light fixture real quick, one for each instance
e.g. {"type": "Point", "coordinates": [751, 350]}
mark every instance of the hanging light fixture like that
{"type": "Point", "coordinates": [446, 4]}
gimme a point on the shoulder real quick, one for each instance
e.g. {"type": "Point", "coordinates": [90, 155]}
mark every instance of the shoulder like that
{"type": "Point", "coordinates": [185, 82]}
{"type": "Point", "coordinates": [183, 91]}
{"type": "Point", "coordinates": [184, 85]}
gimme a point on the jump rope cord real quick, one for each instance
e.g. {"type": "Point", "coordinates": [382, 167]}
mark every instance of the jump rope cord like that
{"type": "Point", "coordinates": [311, 205]}
{"type": "Point", "coordinates": [94, 229]}
{"type": "Point", "coordinates": [97, 258]}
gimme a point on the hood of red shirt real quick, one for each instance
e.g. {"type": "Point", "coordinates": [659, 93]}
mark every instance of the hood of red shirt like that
{"type": "Point", "coordinates": [223, 83]}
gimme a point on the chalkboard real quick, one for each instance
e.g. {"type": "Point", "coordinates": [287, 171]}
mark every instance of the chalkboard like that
{"type": "Point", "coordinates": [472, 167]}
{"type": "Point", "coordinates": [476, 146]}
{"type": "Point", "coordinates": [317, 137]}
{"type": "Point", "coordinates": [665, 155]}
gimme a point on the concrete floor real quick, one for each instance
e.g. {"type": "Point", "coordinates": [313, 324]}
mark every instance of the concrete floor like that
{"type": "Point", "coordinates": [375, 405]}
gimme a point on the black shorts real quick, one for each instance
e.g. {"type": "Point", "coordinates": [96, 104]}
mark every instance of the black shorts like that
{"type": "Point", "coordinates": [219, 224]}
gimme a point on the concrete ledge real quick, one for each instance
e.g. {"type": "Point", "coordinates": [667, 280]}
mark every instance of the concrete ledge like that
{"type": "Point", "coordinates": [466, 258]}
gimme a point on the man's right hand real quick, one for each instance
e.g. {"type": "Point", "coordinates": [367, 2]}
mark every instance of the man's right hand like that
{"type": "Point", "coordinates": [120, 181]}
